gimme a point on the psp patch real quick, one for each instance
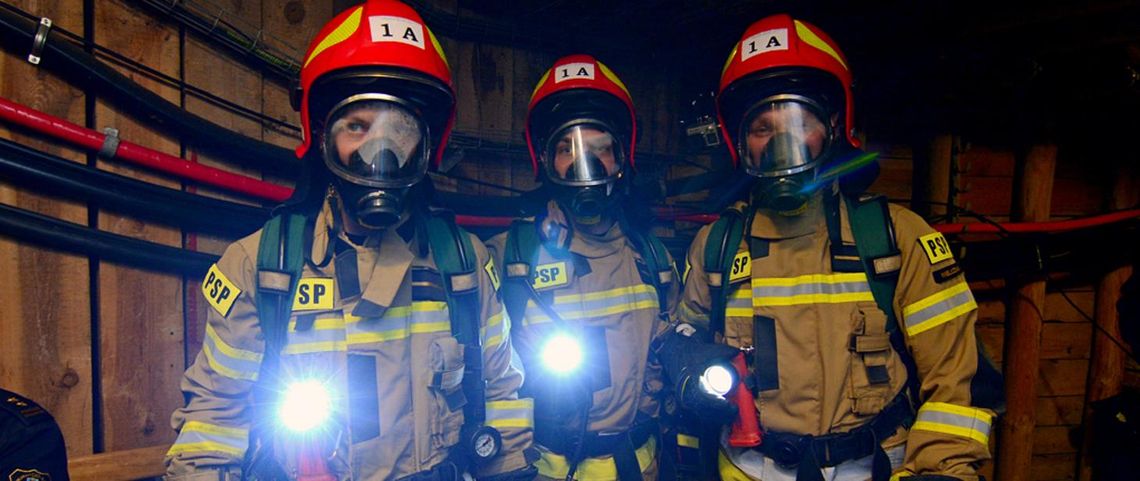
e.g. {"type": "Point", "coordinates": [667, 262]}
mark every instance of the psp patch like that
{"type": "Point", "coordinates": [946, 273]}
{"type": "Point", "coordinates": [219, 291]}
{"type": "Point", "coordinates": [935, 247]}
{"type": "Point", "coordinates": [314, 293]}
{"type": "Point", "coordinates": [741, 267]}
{"type": "Point", "coordinates": [489, 268]}
{"type": "Point", "coordinates": [21, 474]}
{"type": "Point", "coordinates": [550, 275]}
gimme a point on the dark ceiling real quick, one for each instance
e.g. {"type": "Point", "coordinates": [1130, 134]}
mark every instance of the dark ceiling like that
{"type": "Point", "coordinates": [985, 69]}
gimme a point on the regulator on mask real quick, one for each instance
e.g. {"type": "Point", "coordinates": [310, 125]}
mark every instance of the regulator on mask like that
{"type": "Point", "coordinates": [783, 140]}
{"type": "Point", "coordinates": [584, 161]}
{"type": "Point", "coordinates": [377, 148]}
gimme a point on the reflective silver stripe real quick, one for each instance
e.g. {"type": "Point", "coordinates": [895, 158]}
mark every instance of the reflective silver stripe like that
{"type": "Point", "coordinates": [954, 420]}
{"type": "Point", "coordinates": [511, 414]}
{"type": "Point", "coordinates": [498, 327]}
{"type": "Point", "coordinates": [596, 304]}
{"type": "Point", "coordinates": [808, 289]}
{"type": "Point", "coordinates": [938, 308]}
{"type": "Point", "coordinates": [229, 361]}
{"type": "Point", "coordinates": [197, 436]}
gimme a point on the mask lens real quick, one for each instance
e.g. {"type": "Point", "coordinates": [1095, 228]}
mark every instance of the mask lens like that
{"type": "Point", "coordinates": [376, 143]}
{"type": "Point", "coordinates": [781, 138]}
{"type": "Point", "coordinates": [583, 155]}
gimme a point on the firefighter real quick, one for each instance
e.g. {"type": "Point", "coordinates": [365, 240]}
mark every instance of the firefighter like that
{"type": "Point", "coordinates": [31, 444]}
{"type": "Point", "coordinates": [858, 321]}
{"type": "Point", "coordinates": [586, 290]}
{"type": "Point", "coordinates": [358, 334]}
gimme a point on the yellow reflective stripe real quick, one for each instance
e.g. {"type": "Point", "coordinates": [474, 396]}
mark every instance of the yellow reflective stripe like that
{"type": "Point", "coordinates": [499, 326]}
{"type": "Point", "coordinates": [603, 311]}
{"type": "Point", "coordinates": [205, 446]}
{"type": "Point", "coordinates": [809, 37]}
{"type": "Point", "coordinates": [728, 61]}
{"type": "Point", "coordinates": [809, 279]}
{"type": "Point", "coordinates": [322, 324]}
{"type": "Point", "coordinates": [594, 296]}
{"type": "Point", "coordinates": [938, 309]}
{"type": "Point", "coordinates": [201, 427]}
{"type": "Point", "coordinates": [401, 333]}
{"type": "Point", "coordinates": [229, 350]}
{"type": "Point", "coordinates": [338, 35]}
{"type": "Point", "coordinates": [551, 465]}
{"type": "Point", "coordinates": [734, 309]}
{"type": "Point", "coordinates": [541, 81]}
{"type": "Point", "coordinates": [961, 421]}
{"type": "Point", "coordinates": [312, 347]}
{"type": "Point", "coordinates": [438, 48]}
{"type": "Point", "coordinates": [613, 77]}
{"type": "Point", "coordinates": [220, 368]}
{"type": "Point", "coordinates": [686, 441]}
{"type": "Point", "coordinates": [511, 413]}
{"type": "Point", "coordinates": [813, 299]}
{"type": "Point", "coordinates": [935, 298]}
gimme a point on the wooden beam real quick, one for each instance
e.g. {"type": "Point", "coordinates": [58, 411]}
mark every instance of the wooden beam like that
{"type": "Point", "coordinates": [1106, 368]}
{"type": "Point", "coordinates": [124, 465]}
{"type": "Point", "coordinates": [938, 176]}
{"type": "Point", "coordinates": [1023, 335]}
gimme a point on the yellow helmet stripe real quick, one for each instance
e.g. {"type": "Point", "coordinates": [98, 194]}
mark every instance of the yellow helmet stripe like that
{"type": "Point", "coordinates": [541, 82]}
{"type": "Point", "coordinates": [613, 78]}
{"type": "Point", "coordinates": [728, 61]}
{"type": "Point", "coordinates": [438, 48]}
{"type": "Point", "coordinates": [809, 37]}
{"type": "Point", "coordinates": [339, 34]}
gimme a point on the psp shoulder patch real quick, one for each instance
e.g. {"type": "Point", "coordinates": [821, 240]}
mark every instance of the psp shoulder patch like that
{"type": "Point", "coordinates": [313, 293]}
{"type": "Point", "coordinates": [219, 291]}
{"type": "Point", "coordinates": [741, 267]}
{"type": "Point", "coordinates": [935, 247]}
{"type": "Point", "coordinates": [550, 275]}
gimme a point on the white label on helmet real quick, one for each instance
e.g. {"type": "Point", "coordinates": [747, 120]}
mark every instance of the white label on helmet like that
{"type": "Point", "coordinates": [396, 29]}
{"type": "Point", "coordinates": [764, 42]}
{"type": "Point", "coordinates": [574, 71]}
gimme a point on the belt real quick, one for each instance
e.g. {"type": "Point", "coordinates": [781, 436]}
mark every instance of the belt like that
{"type": "Point", "coordinates": [621, 446]}
{"type": "Point", "coordinates": [810, 453]}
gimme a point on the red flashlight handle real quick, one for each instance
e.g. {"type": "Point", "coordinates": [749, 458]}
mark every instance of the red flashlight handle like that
{"type": "Point", "coordinates": [746, 428]}
{"type": "Point", "coordinates": [311, 465]}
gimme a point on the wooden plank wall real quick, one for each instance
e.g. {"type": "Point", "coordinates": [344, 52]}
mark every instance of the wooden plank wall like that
{"type": "Point", "coordinates": [59, 304]}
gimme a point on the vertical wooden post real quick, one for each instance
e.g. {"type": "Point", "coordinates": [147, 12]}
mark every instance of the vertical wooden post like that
{"type": "Point", "coordinates": [1106, 368]}
{"type": "Point", "coordinates": [1023, 331]}
{"type": "Point", "coordinates": [938, 175]}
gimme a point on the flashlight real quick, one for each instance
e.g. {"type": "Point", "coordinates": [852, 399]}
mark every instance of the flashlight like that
{"type": "Point", "coordinates": [562, 354]}
{"type": "Point", "coordinates": [306, 405]}
{"type": "Point", "coordinates": [717, 380]}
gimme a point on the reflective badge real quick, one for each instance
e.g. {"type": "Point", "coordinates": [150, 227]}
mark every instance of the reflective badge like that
{"type": "Point", "coordinates": [489, 267]}
{"type": "Point", "coordinates": [21, 474]}
{"type": "Point", "coordinates": [396, 29]}
{"type": "Point", "coordinates": [741, 267]}
{"type": "Point", "coordinates": [688, 267]}
{"type": "Point", "coordinates": [574, 71]}
{"type": "Point", "coordinates": [550, 275]}
{"type": "Point", "coordinates": [764, 42]}
{"type": "Point", "coordinates": [946, 273]}
{"type": "Point", "coordinates": [219, 290]}
{"type": "Point", "coordinates": [314, 293]}
{"type": "Point", "coordinates": [936, 247]}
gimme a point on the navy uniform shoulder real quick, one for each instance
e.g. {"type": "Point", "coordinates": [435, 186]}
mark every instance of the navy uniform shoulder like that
{"type": "Point", "coordinates": [20, 408]}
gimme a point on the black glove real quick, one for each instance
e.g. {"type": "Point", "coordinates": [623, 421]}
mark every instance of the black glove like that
{"type": "Point", "coordinates": [684, 359]}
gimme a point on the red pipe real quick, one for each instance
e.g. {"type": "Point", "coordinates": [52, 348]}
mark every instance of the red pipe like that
{"type": "Point", "coordinates": [92, 140]}
{"type": "Point", "coordinates": [1047, 226]}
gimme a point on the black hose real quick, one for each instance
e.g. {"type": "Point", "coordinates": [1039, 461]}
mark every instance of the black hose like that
{"type": "Point", "coordinates": [53, 233]}
{"type": "Point", "coordinates": [72, 63]}
{"type": "Point", "coordinates": [41, 172]}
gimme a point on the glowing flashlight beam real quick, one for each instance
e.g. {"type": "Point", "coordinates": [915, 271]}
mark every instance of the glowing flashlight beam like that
{"type": "Point", "coordinates": [307, 404]}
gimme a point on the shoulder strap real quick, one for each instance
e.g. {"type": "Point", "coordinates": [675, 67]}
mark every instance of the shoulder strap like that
{"type": "Point", "coordinates": [454, 256]}
{"type": "Point", "coordinates": [280, 257]}
{"type": "Point", "coordinates": [875, 241]}
{"type": "Point", "coordinates": [720, 249]}
{"type": "Point", "coordinates": [656, 258]}
{"type": "Point", "coordinates": [518, 266]}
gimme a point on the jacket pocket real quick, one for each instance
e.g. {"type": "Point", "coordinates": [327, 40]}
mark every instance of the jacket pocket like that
{"type": "Point", "coordinates": [447, 396]}
{"type": "Point", "coordinates": [871, 354]}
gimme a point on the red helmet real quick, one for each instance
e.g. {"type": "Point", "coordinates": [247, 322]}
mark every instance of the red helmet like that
{"type": "Point", "coordinates": [579, 88]}
{"type": "Point", "coordinates": [382, 46]}
{"type": "Point", "coordinates": [781, 55]}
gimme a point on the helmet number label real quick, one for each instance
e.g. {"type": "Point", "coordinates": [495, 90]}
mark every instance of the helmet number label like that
{"type": "Point", "coordinates": [574, 71]}
{"type": "Point", "coordinates": [764, 42]}
{"type": "Point", "coordinates": [396, 29]}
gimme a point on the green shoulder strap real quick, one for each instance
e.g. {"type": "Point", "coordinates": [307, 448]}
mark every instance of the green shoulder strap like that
{"type": "Point", "coordinates": [875, 241]}
{"type": "Point", "coordinates": [280, 257]}
{"type": "Point", "coordinates": [518, 266]}
{"type": "Point", "coordinates": [720, 249]}
{"type": "Point", "coordinates": [454, 256]}
{"type": "Point", "coordinates": [656, 258]}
